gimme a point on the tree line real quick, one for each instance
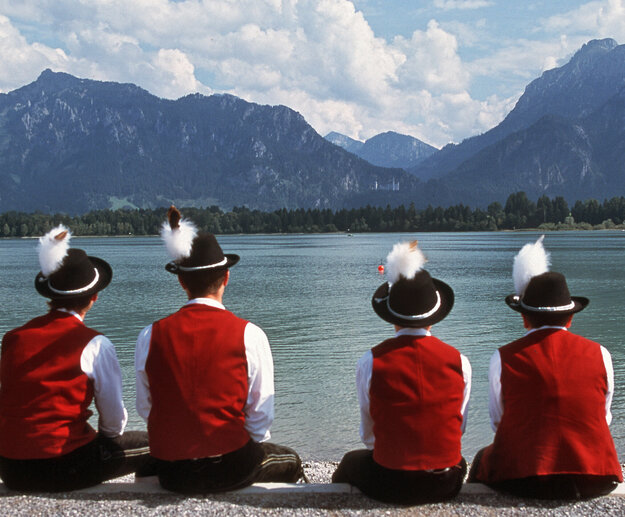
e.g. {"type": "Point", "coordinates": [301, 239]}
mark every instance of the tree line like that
{"type": "Point", "coordinates": [519, 212]}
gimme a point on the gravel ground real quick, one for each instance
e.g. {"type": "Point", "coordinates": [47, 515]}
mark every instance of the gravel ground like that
{"type": "Point", "coordinates": [292, 504]}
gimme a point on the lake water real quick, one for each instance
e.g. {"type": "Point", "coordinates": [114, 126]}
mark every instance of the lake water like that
{"type": "Point", "coordinates": [311, 294]}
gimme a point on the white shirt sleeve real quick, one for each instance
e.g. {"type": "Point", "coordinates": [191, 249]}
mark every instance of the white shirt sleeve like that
{"type": "Point", "coordinates": [259, 411]}
{"type": "Point", "coordinates": [99, 362]}
{"type": "Point", "coordinates": [364, 368]}
{"type": "Point", "coordinates": [495, 402]}
{"type": "Point", "coordinates": [607, 361]}
{"type": "Point", "coordinates": [143, 399]}
{"type": "Point", "coordinates": [466, 375]}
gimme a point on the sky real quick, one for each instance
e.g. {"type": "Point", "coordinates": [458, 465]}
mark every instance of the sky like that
{"type": "Point", "coordinates": [438, 70]}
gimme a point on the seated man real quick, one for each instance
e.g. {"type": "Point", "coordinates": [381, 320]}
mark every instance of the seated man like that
{"type": "Point", "coordinates": [413, 392]}
{"type": "Point", "coordinates": [51, 369]}
{"type": "Point", "coordinates": [205, 380]}
{"type": "Point", "coordinates": [550, 396]}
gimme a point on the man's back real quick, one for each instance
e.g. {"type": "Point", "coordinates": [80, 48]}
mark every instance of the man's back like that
{"type": "Point", "coordinates": [416, 392]}
{"type": "Point", "coordinates": [197, 369]}
{"type": "Point", "coordinates": [45, 395]}
{"type": "Point", "coordinates": [553, 388]}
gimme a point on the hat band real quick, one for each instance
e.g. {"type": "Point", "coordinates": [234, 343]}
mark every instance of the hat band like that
{"type": "Point", "coordinates": [567, 307]}
{"type": "Point", "coordinates": [209, 266]}
{"type": "Point", "coordinates": [79, 290]}
{"type": "Point", "coordinates": [416, 317]}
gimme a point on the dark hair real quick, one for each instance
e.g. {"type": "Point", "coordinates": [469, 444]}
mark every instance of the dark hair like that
{"type": "Point", "coordinates": [202, 282]}
{"type": "Point", "coordinates": [539, 319]}
{"type": "Point", "coordinates": [71, 304]}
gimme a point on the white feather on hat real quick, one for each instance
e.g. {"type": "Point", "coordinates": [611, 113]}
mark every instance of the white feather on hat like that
{"type": "Point", "coordinates": [405, 259]}
{"type": "Point", "coordinates": [531, 261]}
{"type": "Point", "coordinates": [53, 248]}
{"type": "Point", "coordinates": [178, 234]}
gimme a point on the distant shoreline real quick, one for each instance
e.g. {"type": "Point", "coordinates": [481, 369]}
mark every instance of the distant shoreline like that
{"type": "Point", "coordinates": [519, 213]}
{"type": "Point", "coordinates": [616, 229]}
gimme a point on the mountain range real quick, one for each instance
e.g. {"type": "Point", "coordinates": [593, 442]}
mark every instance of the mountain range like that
{"type": "Point", "coordinates": [388, 149]}
{"type": "Point", "coordinates": [73, 145]}
{"type": "Point", "coordinates": [563, 138]}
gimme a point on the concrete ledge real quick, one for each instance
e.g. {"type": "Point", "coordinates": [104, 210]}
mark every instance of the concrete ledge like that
{"type": "Point", "coordinates": [151, 486]}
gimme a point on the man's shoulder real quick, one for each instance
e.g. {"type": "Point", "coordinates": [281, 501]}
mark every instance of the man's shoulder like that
{"type": "Point", "coordinates": [577, 337]}
{"type": "Point", "coordinates": [222, 314]}
{"type": "Point", "coordinates": [405, 340]}
{"type": "Point", "coordinates": [15, 331]}
{"type": "Point", "coordinates": [548, 335]}
{"type": "Point", "coordinates": [531, 336]}
{"type": "Point", "coordinates": [39, 322]}
{"type": "Point", "coordinates": [225, 314]}
{"type": "Point", "coordinates": [35, 322]}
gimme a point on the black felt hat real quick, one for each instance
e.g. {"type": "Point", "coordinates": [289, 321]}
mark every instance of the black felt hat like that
{"type": "Point", "coordinates": [206, 254]}
{"type": "Point", "coordinates": [68, 273]}
{"type": "Point", "coordinates": [192, 250]}
{"type": "Point", "coordinates": [418, 302]}
{"type": "Point", "coordinates": [411, 297]}
{"type": "Point", "coordinates": [547, 293]}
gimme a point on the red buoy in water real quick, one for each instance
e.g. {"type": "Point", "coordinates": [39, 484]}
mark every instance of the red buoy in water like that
{"type": "Point", "coordinates": [381, 269]}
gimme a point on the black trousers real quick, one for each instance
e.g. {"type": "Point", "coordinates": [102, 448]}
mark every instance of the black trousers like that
{"type": "Point", "coordinates": [99, 460]}
{"type": "Point", "coordinates": [553, 486]}
{"type": "Point", "coordinates": [252, 463]}
{"type": "Point", "coordinates": [359, 469]}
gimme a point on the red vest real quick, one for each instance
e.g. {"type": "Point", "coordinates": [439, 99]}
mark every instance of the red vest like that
{"type": "Point", "coordinates": [197, 370]}
{"type": "Point", "coordinates": [44, 395]}
{"type": "Point", "coordinates": [553, 386]}
{"type": "Point", "coordinates": [416, 398]}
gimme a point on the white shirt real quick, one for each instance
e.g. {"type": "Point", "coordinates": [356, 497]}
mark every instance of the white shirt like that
{"type": "Point", "coordinates": [258, 408]}
{"type": "Point", "coordinates": [495, 401]}
{"type": "Point", "coordinates": [99, 363]}
{"type": "Point", "coordinates": [364, 367]}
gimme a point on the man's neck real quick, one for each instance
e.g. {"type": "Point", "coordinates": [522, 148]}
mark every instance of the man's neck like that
{"type": "Point", "coordinates": [217, 297]}
{"type": "Point", "coordinates": [78, 314]}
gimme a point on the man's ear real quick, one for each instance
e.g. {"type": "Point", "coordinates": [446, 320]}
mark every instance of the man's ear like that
{"type": "Point", "coordinates": [226, 277]}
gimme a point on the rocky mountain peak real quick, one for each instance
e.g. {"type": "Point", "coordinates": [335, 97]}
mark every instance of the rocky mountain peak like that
{"type": "Point", "coordinates": [593, 48]}
{"type": "Point", "coordinates": [388, 149]}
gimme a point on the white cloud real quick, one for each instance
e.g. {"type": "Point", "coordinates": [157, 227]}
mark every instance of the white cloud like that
{"type": "Point", "coordinates": [432, 61]}
{"type": "Point", "coordinates": [468, 35]}
{"type": "Point", "coordinates": [22, 62]}
{"type": "Point", "coordinates": [177, 74]}
{"type": "Point", "coordinates": [461, 4]}
{"type": "Point", "coordinates": [521, 59]}
{"type": "Point", "coordinates": [319, 57]}
{"type": "Point", "coordinates": [600, 19]}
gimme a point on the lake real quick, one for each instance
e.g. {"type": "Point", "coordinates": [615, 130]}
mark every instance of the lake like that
{"type": "Point", "coordinates": [311, 294]}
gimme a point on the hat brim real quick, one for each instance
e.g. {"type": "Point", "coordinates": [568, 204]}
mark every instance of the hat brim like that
{"type": "Point", "coordinates": [380, 306]}
{"type": "Point", "coordinates": [580, 302]}
{"type": "Point", "coordinates": [231, 259]}
{"type": "Point", "coordinates": [105, 272]}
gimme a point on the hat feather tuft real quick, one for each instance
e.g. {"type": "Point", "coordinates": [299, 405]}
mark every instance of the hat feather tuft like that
{"type": "Point", "coordinates": [404, 260]}
{"type": "Point", "coordinates": [173, 216]}
{"type": "Point", "coordinates": [531, 261]}
{"type": "Point", "coordinates": [178, 234]}
{"type": "Point", "coordinates": [53, 248]}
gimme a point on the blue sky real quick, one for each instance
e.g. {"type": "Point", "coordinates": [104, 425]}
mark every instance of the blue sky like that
{"type": "Point", "coordinates": [439, 70]}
